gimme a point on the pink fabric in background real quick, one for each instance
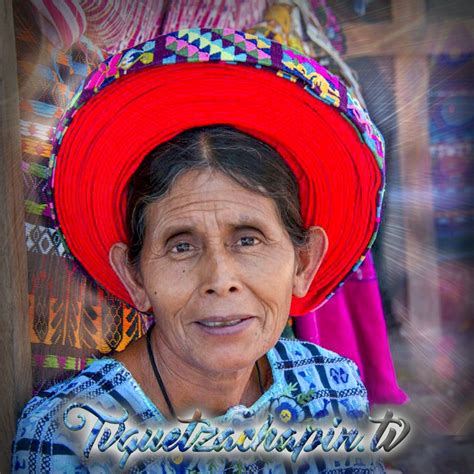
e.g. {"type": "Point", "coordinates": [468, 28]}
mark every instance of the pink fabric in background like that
{"type": "Point", "coordinates": [352, 324]}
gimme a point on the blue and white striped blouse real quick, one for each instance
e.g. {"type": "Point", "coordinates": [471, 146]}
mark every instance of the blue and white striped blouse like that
{"type": "Point", "coordinates": [310, 385]}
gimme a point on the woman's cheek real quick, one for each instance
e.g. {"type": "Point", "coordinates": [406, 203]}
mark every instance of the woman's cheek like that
{"type": "Point", "coordinates": [270, 264]}
{"type": "Point", "coordinates": [161, 281]}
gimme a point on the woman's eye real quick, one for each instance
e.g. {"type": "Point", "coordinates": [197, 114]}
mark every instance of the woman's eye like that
{"type": "Point", "coordinates": [248, 241]}
{"type": "Point", "coordinates": [181, 247]}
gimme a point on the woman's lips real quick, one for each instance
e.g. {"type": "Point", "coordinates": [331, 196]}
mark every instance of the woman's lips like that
{"type": "Point", "coordinates": [224, 325]}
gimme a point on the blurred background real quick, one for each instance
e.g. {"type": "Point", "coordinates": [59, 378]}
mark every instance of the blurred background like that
{"type": "Point", "coordinates": [414, 61]}
{"type": "Point", "coordinates": [411, 62]}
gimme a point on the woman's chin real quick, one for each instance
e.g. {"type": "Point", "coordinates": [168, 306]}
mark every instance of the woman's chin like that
{"type": "Point", "coordinates": [228, 348]}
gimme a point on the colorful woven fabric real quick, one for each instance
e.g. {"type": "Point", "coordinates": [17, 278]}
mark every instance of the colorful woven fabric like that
{"type": "Point", "coordinates": [349, 201]}
{"type": "Point", "coordinates": [238, 14]}
{"type": "Point", "coordinates": [63, 22]}
{"type": "Point", "coordinates": [118, 24]}
{"type": "Point", "coordinates": [329, 24]}
{"type": "Point", "coordinates": [70, 319]}
{"type": "Point", "coordinates": [310, 27]}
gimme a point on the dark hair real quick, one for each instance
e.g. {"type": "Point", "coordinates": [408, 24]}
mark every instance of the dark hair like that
{"type": "Point", "coordinates": [251, 163]}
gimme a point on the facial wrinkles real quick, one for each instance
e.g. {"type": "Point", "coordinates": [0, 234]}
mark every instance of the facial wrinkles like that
{"type": "Point", "coordinates": [212, 212]}
{"type": "Point", "coordinates": [174, 211]}
{"type": "Point", "coordinates": [212, 218]}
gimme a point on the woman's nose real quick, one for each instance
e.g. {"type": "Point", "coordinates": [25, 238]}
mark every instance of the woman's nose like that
{"type": "Point", "coordinates": [219, 273]}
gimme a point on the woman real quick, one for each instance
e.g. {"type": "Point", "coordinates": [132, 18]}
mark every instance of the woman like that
{"type": "Point", "coordinates": [177, 194]}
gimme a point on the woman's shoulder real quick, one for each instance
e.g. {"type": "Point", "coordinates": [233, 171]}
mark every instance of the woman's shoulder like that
{"type": "Point", "coordinates": [96, 379]}
{"type": "Point", "coordinates": [297, 353]}
{"type": "Point", "coordinates": [319, 380]}
{"type": "Point", "coordinates": [41, 438]}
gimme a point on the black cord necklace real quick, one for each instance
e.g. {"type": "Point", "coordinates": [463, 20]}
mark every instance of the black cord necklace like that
{"type": "Point", "coordinates": [151, 356]}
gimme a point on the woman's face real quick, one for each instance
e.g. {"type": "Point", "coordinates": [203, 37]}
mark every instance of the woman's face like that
{"type": "Point", "coordinates": [219, 270]}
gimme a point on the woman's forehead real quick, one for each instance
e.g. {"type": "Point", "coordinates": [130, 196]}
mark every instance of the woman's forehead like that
{"type": "Point", "coordinates": [199, 197]}
{"type": "Point", "coordinates": [210, 189]}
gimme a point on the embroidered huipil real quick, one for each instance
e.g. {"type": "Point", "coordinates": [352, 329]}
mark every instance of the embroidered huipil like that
{"type": "Point", "coordinates": [310, 384]}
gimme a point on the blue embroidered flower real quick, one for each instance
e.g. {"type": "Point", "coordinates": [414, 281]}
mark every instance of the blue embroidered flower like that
{"type": "Point", "coordinates": [287, 410]}
{"type": "Point", "coordinates": [179, 464]}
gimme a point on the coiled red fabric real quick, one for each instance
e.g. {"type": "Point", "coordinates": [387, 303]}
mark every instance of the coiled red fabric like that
{"type": "Point", "coordinates": [114, 130]}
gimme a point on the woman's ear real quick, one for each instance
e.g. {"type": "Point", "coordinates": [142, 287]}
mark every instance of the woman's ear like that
{"type": "Point", "coordinates": [129, 276]}
{"type": "Point", "coordinates": [309, 258]}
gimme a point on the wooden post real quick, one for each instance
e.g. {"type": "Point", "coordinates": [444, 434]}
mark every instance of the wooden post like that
{"type": "Point", "coordinates": [412, 85]}
{"type": "Point", "coordinates": [411, 90]}
{"type": "Point", "coordinates": [410, 39]}
{"type": "Point", "coordinates": [15, 349]}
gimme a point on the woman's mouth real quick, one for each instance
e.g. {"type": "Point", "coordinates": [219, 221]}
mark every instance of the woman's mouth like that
{"type": "Point", "coordinates": [220, 326]}
{"type": "Point", "coordinates": [213, 324]}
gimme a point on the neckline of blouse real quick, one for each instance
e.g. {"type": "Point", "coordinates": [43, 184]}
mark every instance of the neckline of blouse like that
{"type": "Point", "coordinates": [262, 401]}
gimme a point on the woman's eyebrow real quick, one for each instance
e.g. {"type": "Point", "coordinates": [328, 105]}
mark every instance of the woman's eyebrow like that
{"type": "Point", "coordinates": [250, 226]}
{"type": "Point", "coordinates": [249, 223]}
{"type": "Point", "coordinates": [243, 223]}
{"type": "Point", "coordinates": [177, 230]}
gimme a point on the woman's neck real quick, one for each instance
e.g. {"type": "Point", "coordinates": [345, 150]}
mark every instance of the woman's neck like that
{"type": "Point", "coordinates": [187, 387]}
